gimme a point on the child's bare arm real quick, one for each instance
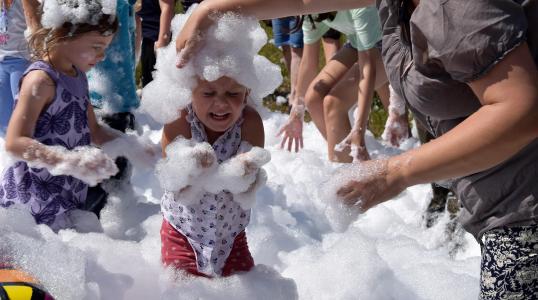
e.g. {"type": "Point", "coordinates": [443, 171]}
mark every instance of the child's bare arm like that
{"type": "Point", "coordinates": [99, 134]}
{"type": "Point", "coordinates": [252, 129]}
{"type": "Point", "coordinates": [37, 91]}
{"type": "Point", "coordinates": [174, 129]}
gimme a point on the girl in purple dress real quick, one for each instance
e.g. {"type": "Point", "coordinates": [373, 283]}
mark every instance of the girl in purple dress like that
{"type": "Point", "coordinates": [53, 120]}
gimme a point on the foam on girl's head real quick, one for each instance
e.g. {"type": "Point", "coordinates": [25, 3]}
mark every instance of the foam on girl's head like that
{"type": "Point", "coordinates": [64, 19]}
{"type": "Point", "coordinates": [58, 12]}
{"type": "Point", "coordinates": [230, 49]}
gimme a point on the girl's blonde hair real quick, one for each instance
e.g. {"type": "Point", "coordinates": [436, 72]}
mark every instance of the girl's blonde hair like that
{"type": "Point", "coordinates": [43, 40]}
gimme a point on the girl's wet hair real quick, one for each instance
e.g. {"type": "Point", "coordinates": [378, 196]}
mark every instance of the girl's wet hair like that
{"type": "Point", "coordinates": [45, 39]}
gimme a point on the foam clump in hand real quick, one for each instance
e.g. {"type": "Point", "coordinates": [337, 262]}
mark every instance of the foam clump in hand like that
{"type": "Point", "coordinates": [339, 213]}
{"type": "Point", "coordinates": [87, 163]}
{"type": "Point", "coordinates": [184, 163]}
{"type": "Point", "coordinates": [58, 12]}
{"type": "Point", "coordinates": [230, 49]}
{"type": "Point", "coordinates": [190, 169]}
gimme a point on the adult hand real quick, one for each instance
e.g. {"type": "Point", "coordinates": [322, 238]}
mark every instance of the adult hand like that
{"type": "Point", "coordinates": [372, 183]}
{"type": "Point", "coordinates": [190, 37]}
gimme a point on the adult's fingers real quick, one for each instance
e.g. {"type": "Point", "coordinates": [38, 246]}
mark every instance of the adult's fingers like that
{"type": "Point", "coordinates": [281, 131]}
{"type": "Point", "coordinates": [284, 139]}
{"type": "Point", "coordinates": [290, 144]}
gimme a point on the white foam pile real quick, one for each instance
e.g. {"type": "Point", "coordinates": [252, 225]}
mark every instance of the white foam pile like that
{"type": "Point", "coordinates": [301, 248]}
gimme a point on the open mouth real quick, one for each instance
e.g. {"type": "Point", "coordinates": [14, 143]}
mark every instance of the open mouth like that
{"type": "Point", "coordinates": [219, 116]}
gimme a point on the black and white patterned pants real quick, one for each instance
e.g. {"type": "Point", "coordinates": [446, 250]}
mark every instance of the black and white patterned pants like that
{"type": "Point", "coordinates": [509, 267]}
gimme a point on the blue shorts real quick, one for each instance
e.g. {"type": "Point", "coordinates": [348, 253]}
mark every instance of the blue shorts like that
{"type": "Point", "coordinates": [282, 35]}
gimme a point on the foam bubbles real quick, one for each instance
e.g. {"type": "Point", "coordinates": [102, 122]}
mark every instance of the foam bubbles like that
{"type": "Point", "coordinates": [230, 49]}
{"type": "Point", "coordinates": [58, 12]}
{"type": "Point", "coordinates": [86, 163]}
{"type": "Point", "coordinates": [190, 169]}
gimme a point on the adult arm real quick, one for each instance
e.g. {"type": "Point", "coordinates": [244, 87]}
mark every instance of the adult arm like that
{"type": "Point", "coordinates": [506, 122]}
{"type": "Point", "coordinates": [167, 13]}
{"type": "Point", "coordinates": [200, 20]}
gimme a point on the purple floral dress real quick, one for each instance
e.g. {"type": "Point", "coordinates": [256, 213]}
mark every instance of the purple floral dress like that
{"type": "Point", "coordinates": [64, 122]}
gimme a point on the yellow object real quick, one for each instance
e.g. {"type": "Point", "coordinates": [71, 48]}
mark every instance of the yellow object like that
{"type": "Point", "coordinates": [18, 292]}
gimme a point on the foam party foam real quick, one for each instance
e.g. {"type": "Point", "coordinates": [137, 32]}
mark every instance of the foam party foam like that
{"type": "Point", "coordinates": [299, 250]}
{"type": "Point", "coordinates": [225, 53]}
{"type": "Point", "coordinates": [58, 12]}
{"type": "Point", "coordinates": [190, 169]}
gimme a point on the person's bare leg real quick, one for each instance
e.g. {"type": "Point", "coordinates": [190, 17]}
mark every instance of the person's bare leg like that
{"type": "Point", "coordinates": [330, 47]}
{"type": "Point", "coordinates": [336, 106]}
{"type": "Point", "coordinates": [356, 87]}
{"type": "Point", "coordinates": [324, 82]}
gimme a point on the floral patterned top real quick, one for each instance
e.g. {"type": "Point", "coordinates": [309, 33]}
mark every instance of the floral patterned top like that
{"type": "Point", "coordinates": [64, 122]}
{"type": "Point", "coordinates": [212, 224]}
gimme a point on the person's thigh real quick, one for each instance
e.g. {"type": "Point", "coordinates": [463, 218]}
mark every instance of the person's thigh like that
{"type": "Point", "coordinates": [333, 71]}
{"type": "Point", "coordinates": [345, 91]}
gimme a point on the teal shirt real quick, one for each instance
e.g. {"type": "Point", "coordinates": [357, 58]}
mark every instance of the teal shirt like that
{"type": "Point", "coordinates": [361, 27]}
{"type": "Point", "coordinates": [112, 81]}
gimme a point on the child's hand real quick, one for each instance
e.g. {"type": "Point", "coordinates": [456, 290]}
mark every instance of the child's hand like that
{"type": "Point", "coordinates": [237, 174]}
{"type": "Point", "coordinates": [396, 129]}
{"type": "Point", "coordinates": [88, 164]}
{"type": "Point", "coordinates": [186, 163]}
{"type": "Point", "coordinates": [247, 198]}
{"type": "Point", "coordinates": [292, 131]}
{"type": "Point", "coordinates": [354, 145]}
{"type": "Point", "coordinates": [205, 158]}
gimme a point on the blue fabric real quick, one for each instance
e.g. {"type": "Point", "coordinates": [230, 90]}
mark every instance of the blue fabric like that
{"type": "Point", "coordinates": [117, 71]}
{"type": "Point", "coordinates": [282, 35]}
{"type": "Point", "coordinates": [11, 70]}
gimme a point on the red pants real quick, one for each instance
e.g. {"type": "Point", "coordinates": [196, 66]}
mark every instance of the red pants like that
{"type": "Point", "coordinates": [177, 252]}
